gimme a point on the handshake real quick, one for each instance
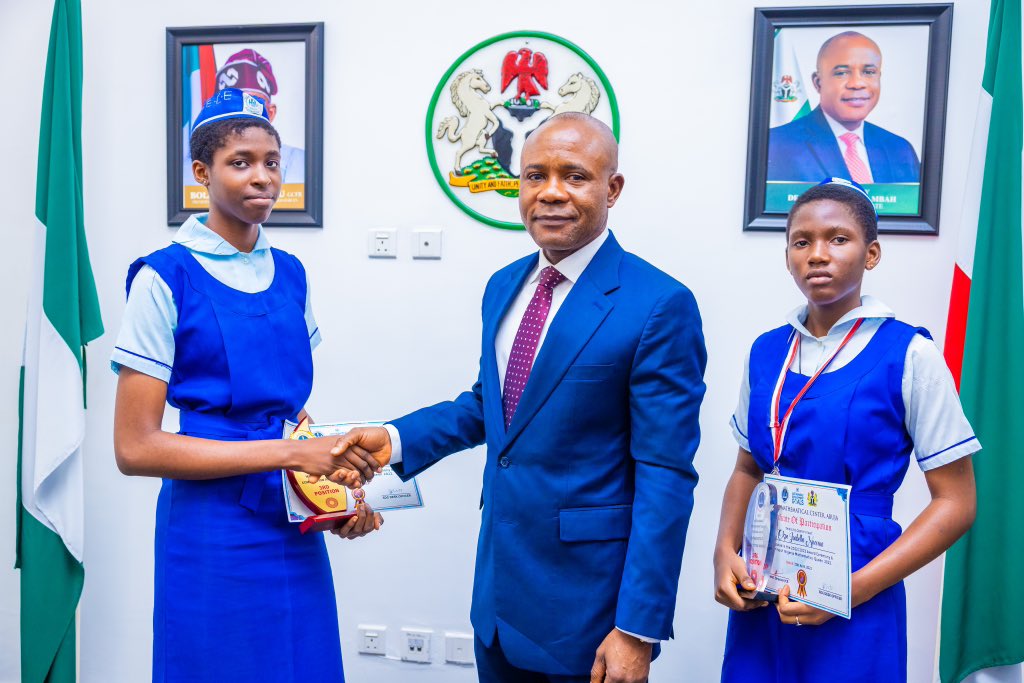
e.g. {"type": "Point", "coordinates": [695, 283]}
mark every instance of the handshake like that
{"type": "Point", "coordinates": [351, 459]}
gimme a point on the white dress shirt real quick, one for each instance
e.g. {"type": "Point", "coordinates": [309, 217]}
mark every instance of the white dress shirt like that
{"type": "Point", "coordinates": [934, 418]}
{"type": "Point", "coordinates": [839, 130]}
{"type": "Point", "coordinates": [146, 340]}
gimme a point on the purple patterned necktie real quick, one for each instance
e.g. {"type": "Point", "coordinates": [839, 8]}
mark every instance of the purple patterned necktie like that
{"type": "Point", "coordinates": [520, 361]}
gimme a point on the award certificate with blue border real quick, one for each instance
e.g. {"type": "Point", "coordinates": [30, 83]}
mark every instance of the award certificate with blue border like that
{"type": "Point", "coordinates": [812, 551]}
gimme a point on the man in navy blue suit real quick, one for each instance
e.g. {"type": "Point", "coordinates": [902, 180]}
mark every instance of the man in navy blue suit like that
{"type": "Point", "coordinates": [834, 139]}
{"type": "Point", "coordinates": [590, 384]}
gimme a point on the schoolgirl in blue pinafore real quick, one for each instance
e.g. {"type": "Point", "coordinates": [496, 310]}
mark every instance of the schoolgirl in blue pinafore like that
{"type": "Point", "coordinates": [879, 396]}
{"type": "Point", "coordinates": [234, 578]}
{"type": "Point", "coordinates": [849, 428]}
{"type": "Point", "coordinates": [240, 594]}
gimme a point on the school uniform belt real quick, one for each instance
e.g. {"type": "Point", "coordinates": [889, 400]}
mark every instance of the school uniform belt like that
{"type": "Point", "coordinates": [226, 429]}
{"type": "Point", "coordinates": [871, 504]}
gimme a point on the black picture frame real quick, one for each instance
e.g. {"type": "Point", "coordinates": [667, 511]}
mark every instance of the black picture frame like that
{"type": "Point", "coordinates": [939, 20]}
{"type": "Point", "coordinates": [312, 36]}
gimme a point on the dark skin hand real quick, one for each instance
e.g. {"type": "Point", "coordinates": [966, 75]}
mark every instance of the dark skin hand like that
{"type": "Point", "coordinates": [142, 448]}
{"type": "Point", "coordinates": [621, 658]}
{"type": "Point", "coordinates": [364, 522]}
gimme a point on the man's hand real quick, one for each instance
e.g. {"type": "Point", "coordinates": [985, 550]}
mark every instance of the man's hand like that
{"type": "Point", "coordinates": [364, 450]}
{"type": "Point", "coordinates": [621, 659]}
{"type": "Point", "coordinates": [365, 521]}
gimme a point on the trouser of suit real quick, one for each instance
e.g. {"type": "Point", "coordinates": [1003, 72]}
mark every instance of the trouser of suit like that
{"type": "Point", "coordinates": [493, 667]}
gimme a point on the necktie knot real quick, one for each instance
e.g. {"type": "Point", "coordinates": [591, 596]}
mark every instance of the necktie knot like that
{"type": "Point", "coordinates": [550, 277]}
{"type": "Point", "coordinates": [851, 139]}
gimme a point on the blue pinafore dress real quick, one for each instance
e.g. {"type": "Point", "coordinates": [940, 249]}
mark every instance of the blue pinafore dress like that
{"type": "Point", "coordinates": [240, 594]}
{"type": "Point", "coordinates": [848, 429]}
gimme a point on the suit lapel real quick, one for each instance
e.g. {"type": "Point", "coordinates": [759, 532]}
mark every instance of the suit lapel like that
{"type": "Point", "coordinates": [493, 313]}
{"type": "Point", "coordinates": [878, 156]}
{"type": "Point", "coordinates": [580, 315]}
{"type": "Point", "coordinates": [822, 146]}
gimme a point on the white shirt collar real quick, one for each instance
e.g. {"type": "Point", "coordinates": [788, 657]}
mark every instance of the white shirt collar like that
{"type": "Point", "coordinates": [573, 265]}
{"type": "Point", "coordinates": [840, 130]}
{"type": "Point", "coordinates": [870, 307]}
{"type": "Point", "coordinates": [194, 235]}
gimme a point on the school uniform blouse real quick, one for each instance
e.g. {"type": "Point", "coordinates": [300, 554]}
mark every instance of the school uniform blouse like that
{"type": "Point", "coordinates": [934, 420]}
{"type": "Point", "coordinates": [146, 340]}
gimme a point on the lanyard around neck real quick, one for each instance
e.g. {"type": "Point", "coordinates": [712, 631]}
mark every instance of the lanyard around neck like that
{"type": "Point", "coordinates": [779, 427]}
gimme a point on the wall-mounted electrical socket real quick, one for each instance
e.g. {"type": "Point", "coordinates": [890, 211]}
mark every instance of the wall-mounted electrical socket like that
{"type": "Point", "coordinates": [382, 243]}
{"type": "Point", "coordinates": [416, 644]}
{"type": "Point", "coordinates": [373, 639]}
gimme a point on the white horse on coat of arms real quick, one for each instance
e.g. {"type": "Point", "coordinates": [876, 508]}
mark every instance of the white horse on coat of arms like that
{"type": "Point", "coordinates": [583, 95]}
{"type": "Point", "coordinates": [476, 130]}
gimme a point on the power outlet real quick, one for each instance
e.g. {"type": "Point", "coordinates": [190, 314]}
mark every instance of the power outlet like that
{"type": "Point", "coordinates": [458, 648]}
{"type": "Point", "coordinates": [382, 243]}
{"type": "Point", "coordinates": [373, 639]}
{"type": "Point", "coordinates": [416, 644]}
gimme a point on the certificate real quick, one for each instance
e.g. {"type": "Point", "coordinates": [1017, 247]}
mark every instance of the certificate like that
{"type": "Point", "coordinates": [812, 545]}
{"type": "Point", "coordinates": [386, 491]}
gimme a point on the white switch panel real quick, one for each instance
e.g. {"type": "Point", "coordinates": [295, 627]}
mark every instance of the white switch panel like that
{"type": "Point", "coordinates": [458, 647]}
{"type": "Point", "coordinates": [382, 243]}
{"type": "Point", "coordinates": [416, 644]}
{"type": "Point", "coordinates": [373, 639]}
{"type": "Point", "coordinates": [426, 243]}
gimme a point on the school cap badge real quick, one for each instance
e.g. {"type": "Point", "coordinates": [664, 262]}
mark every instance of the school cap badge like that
{"type": "Point", "coordinates": [230, 103]}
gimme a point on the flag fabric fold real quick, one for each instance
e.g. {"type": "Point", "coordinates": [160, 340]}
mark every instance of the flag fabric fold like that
{"type": "Point", "coordinates": [982, 613]}
{"type": "Point", "coordinates": [63, 316]}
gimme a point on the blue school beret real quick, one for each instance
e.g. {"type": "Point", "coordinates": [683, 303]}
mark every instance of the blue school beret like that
{"type": "Point", "coordinates": [231, 103]}
{"type": "Point", "coordinates": [850, 184]}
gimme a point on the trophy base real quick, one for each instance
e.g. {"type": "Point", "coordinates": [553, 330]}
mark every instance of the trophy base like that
{"type": "Point", "coordinates": [763, 596]}
{"type": "Point", "coordinates": [327, 522]}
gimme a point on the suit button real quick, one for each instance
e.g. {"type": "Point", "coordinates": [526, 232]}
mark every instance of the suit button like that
{"type": "Point", "coordinates": [504, 461]}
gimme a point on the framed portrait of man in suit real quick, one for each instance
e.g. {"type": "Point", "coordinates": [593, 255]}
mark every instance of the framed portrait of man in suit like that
{"type": "Point", "coordinates": [855, 92]}
{"type": "Point", "coordinates": [282, 66]}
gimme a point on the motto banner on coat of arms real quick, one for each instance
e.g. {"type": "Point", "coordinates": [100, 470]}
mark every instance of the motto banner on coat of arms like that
{"type": "Point", "coordinates": [490, 100]}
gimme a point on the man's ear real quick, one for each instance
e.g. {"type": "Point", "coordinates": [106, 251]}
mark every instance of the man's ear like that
{"type": "Point", "coordinates": [816, 80]}
{"type": "Point", "coordinates": [615, 183]}
{"type": "Point", "coordinates": [271, 111]}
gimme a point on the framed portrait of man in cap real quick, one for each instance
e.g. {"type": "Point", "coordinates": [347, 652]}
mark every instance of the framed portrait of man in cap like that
{"type": "Point", "coordinates": [282, 66]}
{"type": "Point", "coordinates": [856, 92]}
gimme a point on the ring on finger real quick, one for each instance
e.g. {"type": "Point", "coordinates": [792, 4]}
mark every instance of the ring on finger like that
{"type": "Point", "coordinates": [798, 621]}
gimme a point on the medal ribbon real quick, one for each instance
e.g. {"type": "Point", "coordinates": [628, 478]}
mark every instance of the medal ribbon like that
{"type": "Point", "coordinates": [778, 426]}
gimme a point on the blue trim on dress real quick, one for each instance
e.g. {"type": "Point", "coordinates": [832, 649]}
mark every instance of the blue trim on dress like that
{"type": "Point", "coordinates": [139, 355]}
{"type": "Point", "coordinates": [929, 457]}
{"type": "Point", "coordinates": [737, 426]}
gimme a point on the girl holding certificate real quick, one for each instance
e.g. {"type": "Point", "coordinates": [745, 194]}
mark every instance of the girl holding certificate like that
{"type": "Point", "coordinates": [219, 325]}
{"type": "Point", "coordinates": [854, 395]}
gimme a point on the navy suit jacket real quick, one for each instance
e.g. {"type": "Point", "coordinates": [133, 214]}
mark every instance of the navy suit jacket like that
{"type": "Point", "coordinates": [806, 150]}
{"type": "Point", "coordinates": [587, 496]}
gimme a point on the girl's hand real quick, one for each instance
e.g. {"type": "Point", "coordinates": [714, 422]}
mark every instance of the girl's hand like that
{"type": "Point", "coordinates": [365, 521]}
{"type": "Point", "coordinates": [314, 457]}
{"type": "Point", "coordinates": [731, 577]}
{"type": "Point", "coordinates": [799, 614]}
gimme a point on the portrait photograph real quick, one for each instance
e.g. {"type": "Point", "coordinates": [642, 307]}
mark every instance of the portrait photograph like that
{"type": "Point", "coordinates": [853, 93]}
{"type": "Point", "coordinates": [276, 69]}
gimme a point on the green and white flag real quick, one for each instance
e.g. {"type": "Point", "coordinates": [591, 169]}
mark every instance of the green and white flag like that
{"type": "Point", "coordinates": [789, 94]}
{"type": "Point", "coordinates": [982, 605]}
{"type": "Point", "coordinates": [63, 315]}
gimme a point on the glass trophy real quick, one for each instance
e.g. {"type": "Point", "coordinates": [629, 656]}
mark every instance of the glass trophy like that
{"type": "Point", "coordinates": [759, 533]}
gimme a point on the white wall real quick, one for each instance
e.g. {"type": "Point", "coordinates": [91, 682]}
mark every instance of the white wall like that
{"type": "Point", "coordinates": [401, 334]}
